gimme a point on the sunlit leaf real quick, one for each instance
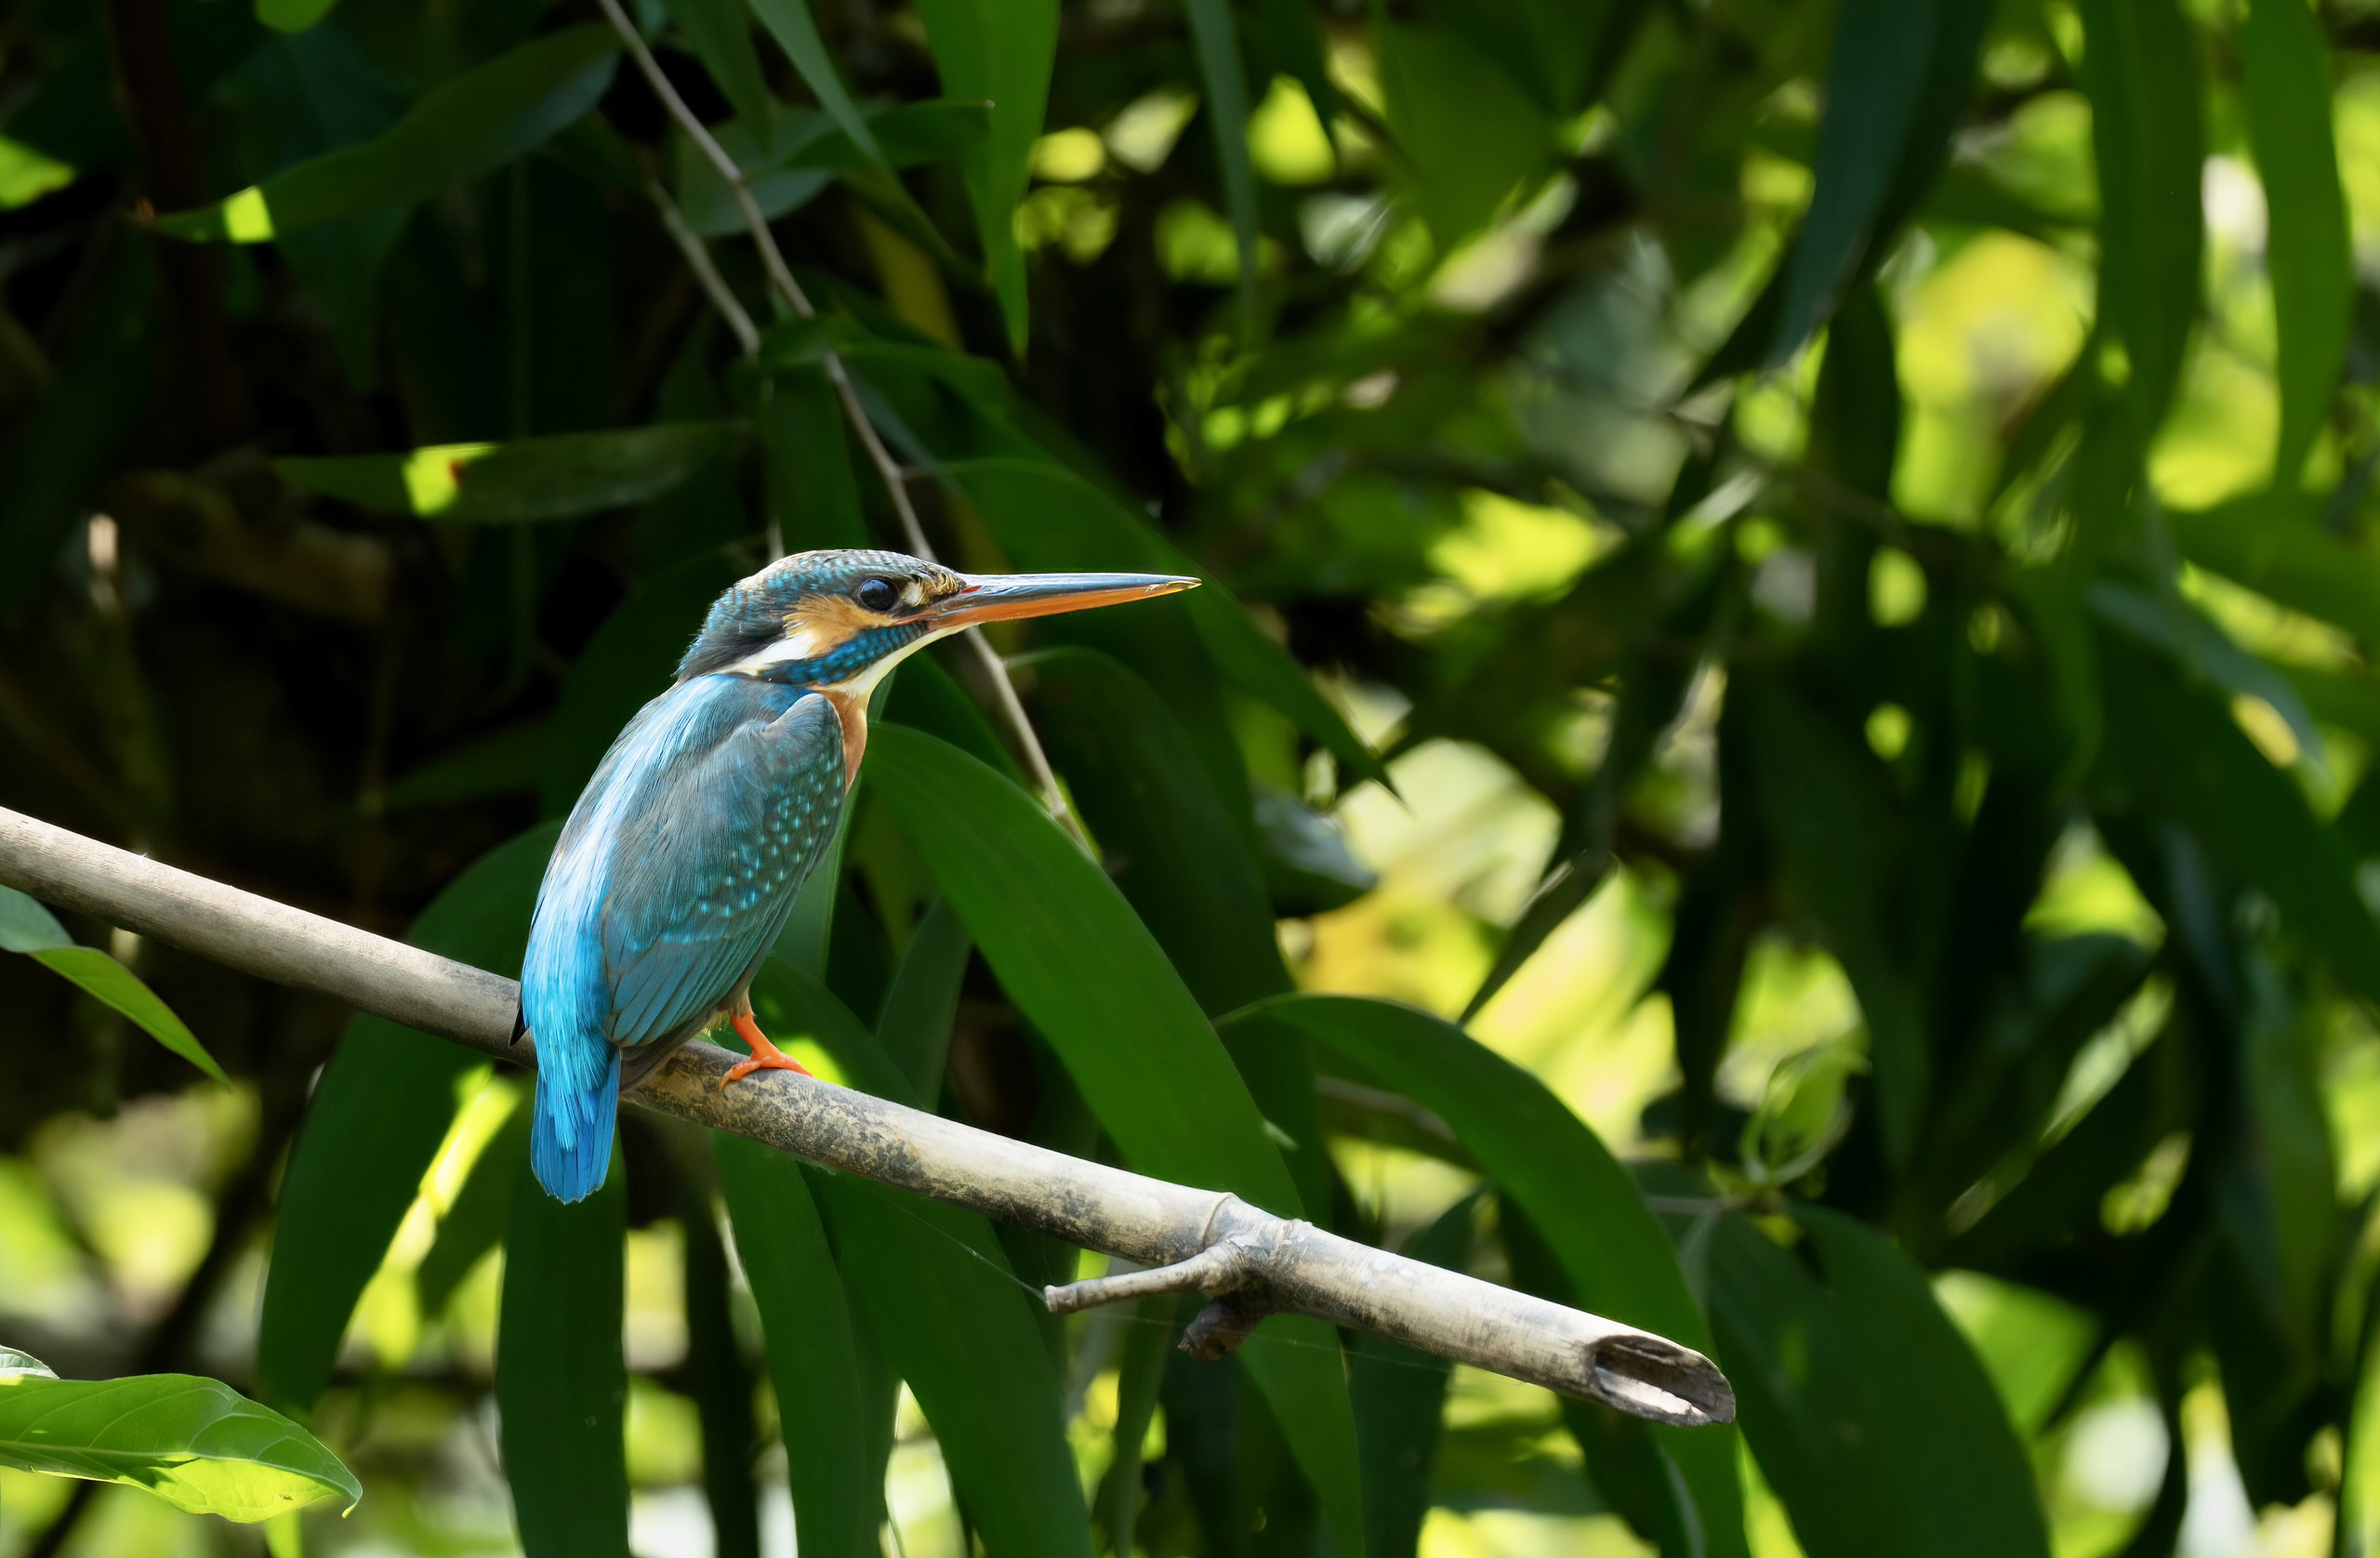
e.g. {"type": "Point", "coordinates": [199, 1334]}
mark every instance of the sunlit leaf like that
{"type": "Point", "coordinates": [1217, 42]}
{"type": "Point", "coordinates": [523, 480]}
{"type": "Point", "coordinates": [197, 1444]}
{"type": "Point", "coordinates": [106, 981]}
{"type": "Point", "coordinates": [378, 1113]}
{"type": "Point", "coordinates": [561, 1377]}
{"type": "Point", "coordinates": [1000, 52]}
{"type": "Point", "coordinates": [473, 124]}
{"type": "Point", "coordinates": [1081, 967]}
{"type": "Point", "coordinates": [796, 30]}
{"type": "Point", "coordinates": [2276, 544]}
{"type": "Point", "coordinates": [1400, 1399]}
{"type": "Point", "coordinates": [2285, 88]}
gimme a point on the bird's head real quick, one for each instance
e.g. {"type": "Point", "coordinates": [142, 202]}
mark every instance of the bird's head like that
{"type": "Point", "coordinates": [841, 619]}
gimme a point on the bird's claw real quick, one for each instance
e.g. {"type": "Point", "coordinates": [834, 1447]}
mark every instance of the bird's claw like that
{"type": "Point", "coordinates": [765, 1056]}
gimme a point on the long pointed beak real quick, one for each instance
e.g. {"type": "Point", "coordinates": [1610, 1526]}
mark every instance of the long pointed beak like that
{"type": "Point", "coordinates": [1005, 597]}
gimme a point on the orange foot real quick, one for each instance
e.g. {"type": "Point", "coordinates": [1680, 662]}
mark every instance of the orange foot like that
{"type": "Point", "coordinates": [765, 1055]}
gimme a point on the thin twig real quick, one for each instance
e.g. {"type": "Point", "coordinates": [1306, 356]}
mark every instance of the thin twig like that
{"type": "Point", "coordinates": [698, 261]}
{"type": "Point", "coordinates": [1272, 1265]}
{"type": "Point", "coordinates": [895, 476]}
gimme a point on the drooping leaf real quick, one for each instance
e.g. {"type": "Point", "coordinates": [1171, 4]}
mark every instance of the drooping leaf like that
{"type": "Point", "coordinates": [1401, 1404]}
{"type": "Point", "coordinates": [1619, 1262]}
{"type": "Point", "coordinates": [197, 1444]}
{"type": "Point", "coordinates": [1048, 518]}
{"type": "Point", "coordinates": [2275, 543]}
{"type": "Point", "coordinates": [914, 1027]}
{"type": "Point", "coordinates": [520, 482]}
{"type": "Point", "coordinates": [561, 1375]}
{"type": "Point", "coordinates": [2140, 70]}
{"type": "Point", "coordinates": [1471, 133]}
{"type": "Point", "coordinates": [1068, 948]}
{"type": "Point", "coordinates": [475, 1221]}
{"type": "Point", "coordinates": [998, 51]}
{"type": "Point", "coordinates": [106, 981]}
{"type": "Point", "coordinates": [2285, 88]}
{"type": "Point", "coordinates": [473, 126]}
{"type": "Point", "coordinates": [1870, 1414]}
{"type": "Point", "coordinates": [721, 34]}
{"type": "Point", "coordinates": [934, 1289]}
{"type": "Point", "coordinates": [293, 16]}
{"type": "Point", "coordinates": [382, 1107]}
{"type": "Point", "coordinates": [27, 926]}
{"type": "Point", "coordinates": [717, 1376]}
{"type": "Point", "coordinates": [812, 493]}
{"type": "Point", "coordinates": [2203, 651]}
{"type": "Point", "coordinates": [1217, 42]}
{"type": "Point", "coordinates": [796, 30]}
{"type": "Point", "coordinates": [837, 1507]}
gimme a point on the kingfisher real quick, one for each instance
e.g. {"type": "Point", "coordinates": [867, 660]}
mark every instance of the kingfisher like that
{"type": "Point", "coordinates": [682, 857]}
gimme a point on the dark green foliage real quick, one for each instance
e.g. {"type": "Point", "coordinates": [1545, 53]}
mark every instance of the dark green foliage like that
{"type": "Point", "coordinates": [1778, 742]}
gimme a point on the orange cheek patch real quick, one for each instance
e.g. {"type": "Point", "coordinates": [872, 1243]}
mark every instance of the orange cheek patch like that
{"type": "Point", "coordinates": [820, 625]}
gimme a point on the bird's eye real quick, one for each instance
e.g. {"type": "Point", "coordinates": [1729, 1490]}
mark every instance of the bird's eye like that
{"type": "Point", "coordinates": [878, 595]}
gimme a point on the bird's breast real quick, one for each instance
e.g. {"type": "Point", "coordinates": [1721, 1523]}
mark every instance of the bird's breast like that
{"type": "Point", "coordinates": [851, 710]}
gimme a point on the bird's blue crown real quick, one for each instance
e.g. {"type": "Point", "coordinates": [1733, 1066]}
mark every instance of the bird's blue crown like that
{"type": "Point", "coordinates": [848, 608]}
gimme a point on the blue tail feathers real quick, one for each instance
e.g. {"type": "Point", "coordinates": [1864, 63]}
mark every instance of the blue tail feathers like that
{"type": "Point", "coordinates": [570, 1140]}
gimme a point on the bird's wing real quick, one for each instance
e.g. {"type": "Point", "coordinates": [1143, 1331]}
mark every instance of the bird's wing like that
{"type": "Point", "coordinates": [706, 862]}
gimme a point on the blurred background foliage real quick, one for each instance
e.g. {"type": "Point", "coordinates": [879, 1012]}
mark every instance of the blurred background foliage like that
{"type": "Point", "coordinates": [1782, 748]}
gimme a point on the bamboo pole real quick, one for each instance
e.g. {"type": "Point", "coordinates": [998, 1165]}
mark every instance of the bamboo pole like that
{"type": "Point", "coordinates": [1248, 1261]}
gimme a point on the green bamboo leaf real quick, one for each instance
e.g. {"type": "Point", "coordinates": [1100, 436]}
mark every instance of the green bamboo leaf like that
{"type": "Point", "coordinates": [914, 1027]}
{"type": "Point", "coordinates": [293, 16]}
{"type": "Point", "coordinates": [560, 1377]}
{"type": "Point", "coordinates": [27, 926]}
{"type": "Point", "coordinates": [796, 30]}
{"type": "Point", "coordinates": [520, 482]}
{"type": "Point", "coordinates": [1874, 82]}
{"type": "Point", "coordinates": [812, 491]}
{"type": "Point", "coordinates": [722, 38]}
{"type": "Point", "coordinates": [1140, 1379]}
{"type": "Point", "coordinates": [2178, 751]}
{"type": "Point", "coordinates": [111, 983]}
{"type": "Point", "coordinates": [838, 1498]}
{"type": "Point", "coordinates": [197, 1444]}
{"type": "Point", "coordinates": [1217, 43]}
{"type": "Point", "coordinates": [2203, 651]}
{"type": "Point", "coordinates": [626, 663]}
{"type": "Point", "coordinates": [2141, 71]}
{"type": "Point", "coordinates": [475, 1219]}
{"type": "Point", "coordinates": [1400, 1402]}
{"type": "Point", "coordinates": [2285, 88]}
{"type": "Point", "coordinates": [1868, 1412]}
{"type": "Point", "coordinates": [382, 1107]}
{"type": "Point", "coordinates": [2275, 543]}
{"type": "Point", "coordinates": [936, 1292]}
{"type": "Point", "coordinates": [718, 1377]}
{"type": "Point", "coordinates": [1000, 52]}
{"type": "Point", "coordinates": [473, 126]}
{"type": "Point", "coordinates": [1619, 1262]}
{"type": "Point", "coordinates": [1086, 973]}
{"type": "Point", "coordinates": [1049, 518]}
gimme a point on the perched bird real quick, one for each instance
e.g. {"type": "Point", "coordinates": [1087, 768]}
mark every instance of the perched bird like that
{"type": "Point", "coordinates": [681, 859]}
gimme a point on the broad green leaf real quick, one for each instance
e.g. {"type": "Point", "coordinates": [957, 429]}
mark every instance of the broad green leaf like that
{"type": "Point", "coordinates": [561, 1377]}
{"type": "Point", "coordinates": [473, 126]}
{"type": "Point", "coordinates": [1873, 83]}
{"type": "Point", "coordinates": [721, 34]}
{"type": "Point", "coordinates": [2285, 88]}
{"type": "Point", "coordinates": [475, 1221]}
{"type": "Point", "coordinates": [1185, 869]}
{"type": "Point", "coordinates": [2141, 71]}
{"type": "Point", "coordinates": [1619, 1262]}
{"type": "Point", "coordinates": [936, 1292]}
{"type": "Point", "coordinates": [110, 982]}
{"type": "Point", "coordinates": [1085, 971]}
{"type": "Point", "coordinates": [1565, 889]}
{"type": "Point", "coordinates": [838, 1504]}
{"type": "Point", "coordinates": [520, 481]}
{"type": "Point", "coordinates": [2205, 652]}
{"type": "Point", "coordinates": [914, 1027]}
{"type": "Point", "coordinates": [717, 1376]}
{"type": "Point", "coordinates": [197, 1444]}
{"type": "Point", "coordinates": [1400, 1400]}
{"type": "Point", "coordinates": [625, 665]}
{"type": "Point", "coordinates": [796, 30]}
{"type": "Point", "coordinates": [1471, 134]}
{"type": "Point", "coordinates": [2179, 752]}
{"type": "Point", "coordinates": [2276, 545]}
{"type": "Point", "coordinates": [1148, 1342]}
{"type": "Point", "coordinates": [814, 492]}
{"type": "Point", "coordinates": [998, 51]}
{"type": "Point", "coordinates": [1049, 518]}
{"type": "Point", "coordinates": [1217, 42]}
{"type": "Point", "coordinates": [378, 1113]}
{"type": "Point", "coordinates": [1870, 1414]}
{"type": "Point", "coordinates": [293, 16]}
{"type": "Point", "coordinates": [27, 926]}
{"type": "Point", "coordinates": [927, 697]}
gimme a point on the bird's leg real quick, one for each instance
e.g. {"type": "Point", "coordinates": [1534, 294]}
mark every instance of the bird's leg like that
{"type": "Point", "coordinates": [765, 1056]}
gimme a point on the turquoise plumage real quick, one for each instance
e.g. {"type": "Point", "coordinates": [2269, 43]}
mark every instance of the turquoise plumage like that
{"type": "Point", "coordinates": [682, 858]}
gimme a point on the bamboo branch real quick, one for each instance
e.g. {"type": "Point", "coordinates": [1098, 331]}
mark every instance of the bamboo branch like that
{"type": "Point", "coordinates": [1199, 1240]}
{"type": "Point", "coordinates": [895, 475]}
